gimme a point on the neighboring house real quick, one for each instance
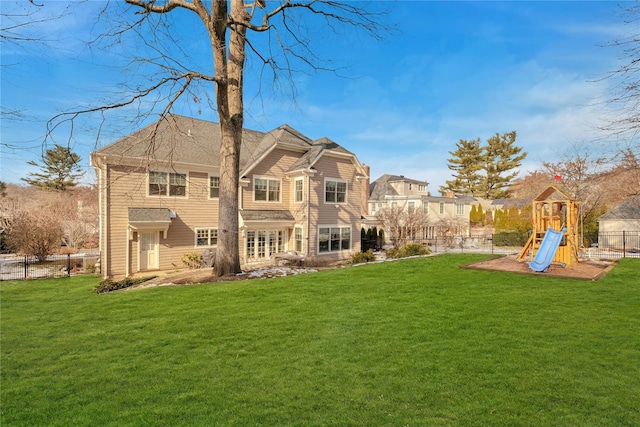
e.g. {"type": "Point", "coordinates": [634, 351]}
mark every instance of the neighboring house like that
{"type": "Point", "coordinates": [623, 218]}
{"type": "Point", "coordinates": [443, 215]}
{"type": "Point", "coordinates": [159, 196]}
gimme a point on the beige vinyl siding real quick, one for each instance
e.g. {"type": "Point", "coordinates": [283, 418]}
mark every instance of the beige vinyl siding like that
{"type": "Point", "coordinates": [273, 166]}
{"type": "Point", "coordinates": [347, 214]}
{"type": "Point", "coordinates": [128, 188]}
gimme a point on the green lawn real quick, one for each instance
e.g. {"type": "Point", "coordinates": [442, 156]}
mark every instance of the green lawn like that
{"type": "Point", "coordinates": [416, 342]}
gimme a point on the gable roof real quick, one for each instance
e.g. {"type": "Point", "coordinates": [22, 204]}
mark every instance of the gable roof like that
{"type": "Point", "coordinates": [630, 209]}
{"type": "Point", "coordinates": [178, 139]}
{"type": "Point", "coordinates": [185, 140]}
{"type": "Point", "coordinates": [382, 186]}
{"type": "Point", "coordinates": [551, 193]}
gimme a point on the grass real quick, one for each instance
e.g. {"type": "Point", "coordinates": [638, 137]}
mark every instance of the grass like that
{"type": "Point", "coordinates": [414, 342]}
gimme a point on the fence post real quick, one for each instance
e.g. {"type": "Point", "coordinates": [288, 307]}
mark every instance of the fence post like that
{"type": "Point", "coordinates": [68, 265]}
{"type": "Point", "coordinates": [624, 245]}
{"type": "Point", "coordinates": [25, 268]}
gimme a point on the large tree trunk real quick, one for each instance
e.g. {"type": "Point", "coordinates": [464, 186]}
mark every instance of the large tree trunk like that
{"type": "Point", "coordinates": [230, 114]}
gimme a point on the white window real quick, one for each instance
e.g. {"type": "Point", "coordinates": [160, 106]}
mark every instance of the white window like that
{"type": "Point", "coordinates": [441, 208]}
{"type": "Point", "coordinates": [167, 184]}
{"type": "Point", "coordinates": [334, 239]}
{"type": "Point", "coordinates": [411, 206]}
{"type": "Point", "coordinates": [266, 189]}
{"type": "Point", "coordinates": [422, 188]}
{"type": "Point", "coordinates": [206, 237]}
{"type": "Point", "coordinates": [335, 191]}
{"type": "Point", "coordinates": [298, 190]}
{"type": "Point", "coordinates": [425, 207]}
{"type": "Point", "coordinates": [261, 244]}
{"type": "Point", "coordinates": [214, 187]}
{"type": "Point", "coordinates": [459, 209]}
{"type": "Point", "coordinates": [297, 237]}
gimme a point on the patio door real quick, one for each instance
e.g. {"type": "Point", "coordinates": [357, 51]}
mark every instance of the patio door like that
{"type": "Point", "coordinates": [149, 251]}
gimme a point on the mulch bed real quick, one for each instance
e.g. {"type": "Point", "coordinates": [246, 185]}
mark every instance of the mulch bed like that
{"type": "Point", "coordinates": [584, 270]}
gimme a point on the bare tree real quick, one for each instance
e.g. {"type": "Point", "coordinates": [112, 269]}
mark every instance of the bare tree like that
{"type": "Point", "coordinates": [37, 234]}
{"type": "Point", "coordinates": [581, 176]}
{"type": "Point", "coordinates": [229, 29]}
{"type": "Point", "coordinates": [402, 225]}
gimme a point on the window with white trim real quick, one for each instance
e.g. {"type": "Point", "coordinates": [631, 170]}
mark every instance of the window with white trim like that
{"type": "Point", "coordinates": [206, 237]}
{"type": "Point", "coordinates": [425, 207]}
{"type": "Point", "coordinates": [167, 184]}
{"type": "Point", "coordinates": [214, 187]}
{"type": "Point", "coordinates": [334, 239]}
{"type": "Point", "coordinates": [298, 190]}
{"type": "Point", "coordinates": [261, 244]}
{"type": "Point", "coordinates": [297, 239]}
{"type": "Point", "coordinates": [441, 208]}
{"type": "Point", "coordinates": [422, 188]}
{"type": "Point", "coordinates": [335, 191]}
{"type": "Point", "coordinates": [266, 189]}
{"type": "Point", "coordinates": [411, 207]}
{"type": "Point", "coordinates": [459, 209]}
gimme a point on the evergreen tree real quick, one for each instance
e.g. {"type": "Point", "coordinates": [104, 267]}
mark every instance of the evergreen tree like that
{"type": "Point", "coordinates": [501, 158]}
{"type": "Point", "coordinates": [473, 215]}
{"type": "Point", "coordinates": [481, 216]}
{"type": "Point", "coordinates": [60, 170]}
{"type": "Point", "coordinates": [466, 165]}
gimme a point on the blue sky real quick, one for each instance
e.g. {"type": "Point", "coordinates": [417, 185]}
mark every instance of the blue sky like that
{"type": "Point", "coordinates": [453, 70]}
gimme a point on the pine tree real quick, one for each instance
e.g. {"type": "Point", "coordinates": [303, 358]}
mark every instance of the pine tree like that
{"type": "Point", "coordinates": [60, 170]}
{"type": "Point", "coordinates": [501, 158]}
{"type": "Point", "coordinates": [466, 165]}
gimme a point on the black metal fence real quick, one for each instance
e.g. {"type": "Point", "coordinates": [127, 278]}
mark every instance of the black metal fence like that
{"type": "Point", "coordinates": [26, 268]}
{"type": "Point", "coordinates": [612, 245]}
{"type": "Point", "coordinates": [604, 245]}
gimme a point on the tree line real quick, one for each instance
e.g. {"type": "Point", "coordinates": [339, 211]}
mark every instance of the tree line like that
{"type": "Point", "coordinates": [53, 213]}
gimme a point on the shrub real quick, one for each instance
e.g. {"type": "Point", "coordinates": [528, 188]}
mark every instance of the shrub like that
{"type": "Point", "coordinates": [407, 250]}
{"type": "Point", "coordinates": [192, 260]}
{"type": "Point", "coordinates": [108, 285]}
{"type": "Point", "coordinates": [362, 257]}
{"type": "Point", "coordinates": [510, 238]}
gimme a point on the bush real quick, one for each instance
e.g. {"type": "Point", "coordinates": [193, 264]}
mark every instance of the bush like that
{"type": "Point", "coordinates": [192, 260]}
{"type": "Point", "coordinates": [510, 238]}
{"type": "Point", "coordinates": [108, 285]}
{"type": "Point", "coordinates": [362, 257]}
{"type": "Point", "coordinates": [407, 250]}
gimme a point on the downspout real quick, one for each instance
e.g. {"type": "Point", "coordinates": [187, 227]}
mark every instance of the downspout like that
{"type": "Point", "coordinates": [127, 269]}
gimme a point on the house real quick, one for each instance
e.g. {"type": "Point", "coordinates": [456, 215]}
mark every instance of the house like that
{"type": "Point", "coordinates": [159, 196]}
{"type": "Point", "coordinates": [623, 218]}
{"type": "Point", "coordinates": [438, 216]}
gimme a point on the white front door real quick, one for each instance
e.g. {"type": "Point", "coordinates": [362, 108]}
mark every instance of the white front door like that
{"type": "Point", "coordinates": [149, 251]}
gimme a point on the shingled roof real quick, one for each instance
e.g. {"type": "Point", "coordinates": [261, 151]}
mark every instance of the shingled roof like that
{"type": "Point", "coordinates": [629, 209]}
{"type": "Point", "coordinates": [185, 140]}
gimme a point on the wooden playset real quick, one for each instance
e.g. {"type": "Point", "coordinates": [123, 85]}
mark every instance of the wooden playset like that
{"type": "Point", "coordinates": [554, 209]}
